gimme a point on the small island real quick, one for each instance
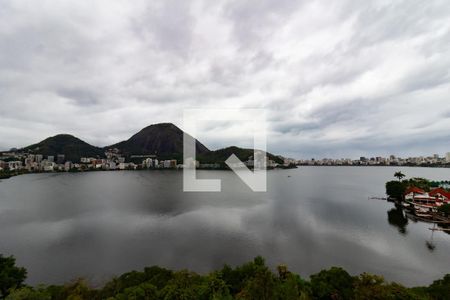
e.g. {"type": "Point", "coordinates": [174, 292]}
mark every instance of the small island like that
{"type": "Point", "coordinates": [427, 200]}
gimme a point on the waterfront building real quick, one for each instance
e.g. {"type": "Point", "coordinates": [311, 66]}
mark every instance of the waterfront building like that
{"type": "Point", "coordinates": [147, 163]}
{"type": "Point", "coordinates": [39, 158]}
{"type": "Point", "coordinates": [440, 194]}
{"type": "Point", "coordinates": [48, 166]}
{"type": "Point", "coordinates": [67, 166]}
{"type": "Point", "coordinates": [427, 200]}
{"type": "Point", "coordinates": [173, 163]}
{"type": "Point", "coordinates": [166, 164]}
{"type": "Point", "coordinates": [14, 165]}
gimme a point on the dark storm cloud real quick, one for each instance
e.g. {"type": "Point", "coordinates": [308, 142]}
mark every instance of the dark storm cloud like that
{"type": "Point", "coordinates": [343, 78]}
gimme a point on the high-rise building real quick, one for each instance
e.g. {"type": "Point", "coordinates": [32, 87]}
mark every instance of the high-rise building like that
{"type": "Point", "coordinates": [39, 158]}
{"type": "Point", "coordinates": [50, 158]}
{"type": "Point", "coordinates": [167, 164]}
{"type": "Point", "coordinates": [447, 157]}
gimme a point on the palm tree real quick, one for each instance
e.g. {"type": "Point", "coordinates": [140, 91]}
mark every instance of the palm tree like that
{"type": "Point", "coordinates": [399, 175]}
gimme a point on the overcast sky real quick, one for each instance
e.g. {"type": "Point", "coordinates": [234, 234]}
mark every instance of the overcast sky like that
{"type": "Point", "coordinates": [337, 78]}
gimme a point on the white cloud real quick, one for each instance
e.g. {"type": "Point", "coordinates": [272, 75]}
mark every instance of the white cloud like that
{"type": "Point", "coordinates": [338, 79]}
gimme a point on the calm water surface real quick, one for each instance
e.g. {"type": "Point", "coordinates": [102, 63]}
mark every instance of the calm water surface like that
{"type": "Point", "coordinates": [99, 224]}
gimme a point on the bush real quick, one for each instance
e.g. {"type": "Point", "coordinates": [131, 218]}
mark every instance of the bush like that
{"type": "Point", "coordinates": [445, 209]}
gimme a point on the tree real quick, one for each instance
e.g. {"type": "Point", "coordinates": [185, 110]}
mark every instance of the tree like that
{"type": "Point", "coordinates": [334, 283]}
{"type": "Point", "coordinates": [184, 285]}
{"type": "Point", "coordinates": [260, 287]}
{"type": "Point", "coordinates": [28, 293]}
{"type": "Point", "coordinates": [143, 291]}
{"type": "Point", "coordinates": [78, 290]}
{"type": "Point", "coordinates": [216, 288]}
{"type": "Point", "coordinates": [421, 183]}
{"type": "Point", "coordinates": [445, 209]}
{"type": "Point", "coordinates": [399, 175]}
{"type": "Point", "coordinates": [440, 289]}
{"type": "Point", "coordinates": [395, 189]}
{"type": "Point", "coordinates": [10, 275]}
{"type": "Point", "coordinates": [368, 286]}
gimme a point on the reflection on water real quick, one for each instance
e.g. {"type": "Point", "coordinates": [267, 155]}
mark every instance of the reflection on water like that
{"type": "Point", "coordinates": [397, 218]}
{"type": "Point", "coordinates": [430, 244]}
{"type": "Point", "coordinates": [99, 224]}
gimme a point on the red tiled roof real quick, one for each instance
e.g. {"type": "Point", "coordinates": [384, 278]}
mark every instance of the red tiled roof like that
{"type": "Point", "coordinates": [414, 190]}
{"type": "Point", "coordinates": [440, 191]}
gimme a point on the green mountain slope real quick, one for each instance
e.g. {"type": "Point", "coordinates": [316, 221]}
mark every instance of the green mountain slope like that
{"type": "Point", "coordinates": [164, 139]}
{"type": "Point", "coordinates": [221, 155]}
{"type": "Point", "coordinates": [73, 148]}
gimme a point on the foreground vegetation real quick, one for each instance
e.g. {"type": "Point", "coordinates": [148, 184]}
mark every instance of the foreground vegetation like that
{"type": "Point", "coordinates": [253, 280]}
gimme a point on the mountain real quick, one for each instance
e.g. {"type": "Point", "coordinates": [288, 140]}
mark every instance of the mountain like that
{"type": "Point", "coordinates": [73, 148]}
{"type": "Point", "coordinates": [221, 155]}
{"type": "Point", "coordinates": [164, 140]}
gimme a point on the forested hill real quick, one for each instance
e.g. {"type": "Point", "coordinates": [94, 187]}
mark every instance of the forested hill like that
{"type": "Point", "coordinates": [72, 147]}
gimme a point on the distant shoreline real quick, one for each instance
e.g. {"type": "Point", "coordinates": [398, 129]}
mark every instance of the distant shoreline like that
{"type": "Point", "coordinates": [9, 175]}
{"type": "Point", "coordinates": [371, 166]}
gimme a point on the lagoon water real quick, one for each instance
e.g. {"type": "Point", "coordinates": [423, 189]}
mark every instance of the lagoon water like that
{"type": "Point", "coordinates": [100, 224]}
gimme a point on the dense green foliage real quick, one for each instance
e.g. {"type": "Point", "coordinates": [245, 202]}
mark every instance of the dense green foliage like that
{"type": "Point", "coordinates": [11, 276]}
{"type": "Point", "coordinates": [438, 183]}
{"type": "Point", "coordinates": [399, 175]}
{"type": "Point", "coordinates": [72, 147]}
{"type": "Point", "coordinates": [253, 280]}
{"type": "Point", "coordinates": [421, 183]}
{"type": "Point", "coordinates": [445, 209]}
{"type": "Point", "coordinates": [222, 155]}
{"type": "Point", "coordinates": [395, 189]}
{"type": "Point", "coordinates": [5, 174]}
{"type": "Point", "coordinates": [163, 140]}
